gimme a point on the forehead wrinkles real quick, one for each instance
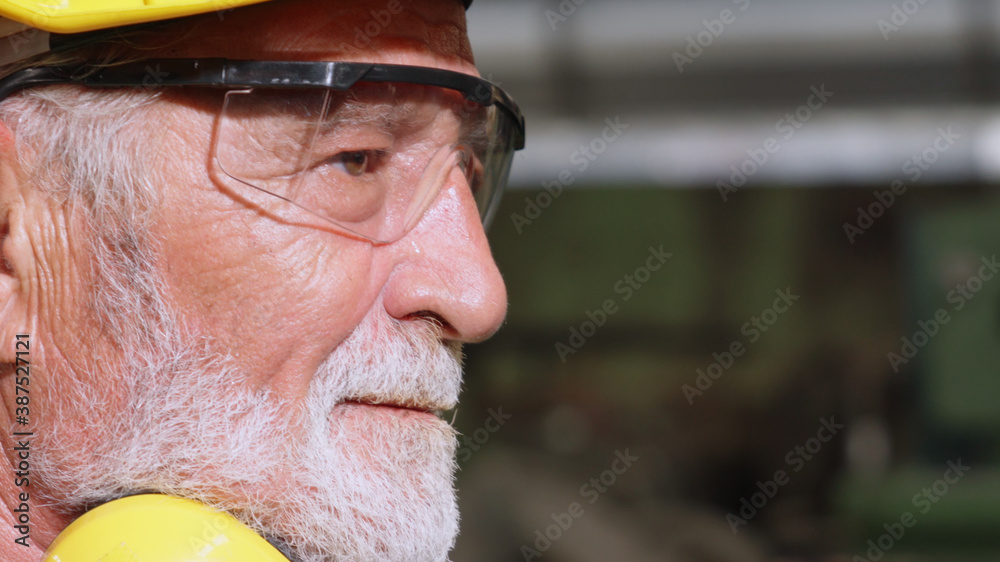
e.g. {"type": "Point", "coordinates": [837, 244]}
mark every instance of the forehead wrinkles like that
{"type": "Point", "coordinates": [360, 33]}
{"type": "Point", "coordinates": [432, 30]}
{"type": "Point", "coordinates": [397, 110]}
{"type": "Point", "coordinates": [432, 27]}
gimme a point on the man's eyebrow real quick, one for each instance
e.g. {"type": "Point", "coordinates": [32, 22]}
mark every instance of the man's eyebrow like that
{"type": "Point", "coordinates": [350, 111]}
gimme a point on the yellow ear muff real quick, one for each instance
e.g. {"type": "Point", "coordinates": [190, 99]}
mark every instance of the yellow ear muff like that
{"type": "Point", "coordinates": [158, 528]}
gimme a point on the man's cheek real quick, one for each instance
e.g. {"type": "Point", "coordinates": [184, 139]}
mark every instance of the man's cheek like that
{"type": "Point", "coordinates": [337, 289]}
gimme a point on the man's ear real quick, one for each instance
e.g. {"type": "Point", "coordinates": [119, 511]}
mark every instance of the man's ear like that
{"type": "Point", "coordinates": [13, 318]}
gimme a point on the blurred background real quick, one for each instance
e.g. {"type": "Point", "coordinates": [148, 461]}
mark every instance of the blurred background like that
{"type": "Point", "coordinates": [750, 251]}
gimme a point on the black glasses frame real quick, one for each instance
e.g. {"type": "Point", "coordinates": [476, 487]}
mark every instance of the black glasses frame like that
{"type": "Point", "coordinates": [232, 74]}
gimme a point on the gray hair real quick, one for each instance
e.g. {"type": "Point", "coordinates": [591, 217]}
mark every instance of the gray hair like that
{"type": "Point", "coordinates": [84, 148]}
{"type": "Point", "coordinates": [90, 149]}
{"type": "Point", "coordinates": [81, 144]}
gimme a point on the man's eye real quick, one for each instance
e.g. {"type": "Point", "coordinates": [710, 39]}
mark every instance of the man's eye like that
{"type": "Point", "coordinates": [474, 171]}
{"type": "Point", "coordinates": [355, 163]}
{"type": "Point", "coordinates": [471, 167]}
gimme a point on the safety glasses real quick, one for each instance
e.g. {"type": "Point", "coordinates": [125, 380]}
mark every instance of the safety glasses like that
{"type": "Point", "coordinates": [360, 148]}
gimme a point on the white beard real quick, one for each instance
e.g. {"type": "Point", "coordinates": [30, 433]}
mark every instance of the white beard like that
{"type": "Point", "coordinates": [329, 480]}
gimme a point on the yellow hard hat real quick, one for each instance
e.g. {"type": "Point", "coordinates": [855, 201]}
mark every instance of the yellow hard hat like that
{"type": "Point", "coordinates": [32, 26]}
{"type": "Point", "coordinates": [76, 16]}
{"type": "Point", "coordinates": [158, 528]}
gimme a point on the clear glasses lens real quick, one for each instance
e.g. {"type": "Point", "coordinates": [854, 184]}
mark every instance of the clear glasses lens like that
{"type": "Point", "coordinates": [368, 161]}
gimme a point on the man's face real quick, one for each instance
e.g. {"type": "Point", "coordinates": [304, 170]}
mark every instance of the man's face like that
{"type": "Point", "coordinates": [287, 373]}
{"type": "Point", "coordinates": [284, 296]}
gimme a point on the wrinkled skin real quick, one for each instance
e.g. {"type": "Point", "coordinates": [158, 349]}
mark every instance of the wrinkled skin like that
{"type": "Point", "coordinates": [279, 298]}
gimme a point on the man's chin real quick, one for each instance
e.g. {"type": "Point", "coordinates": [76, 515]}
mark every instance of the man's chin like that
{"type": "Point", "coordinates": [361, 482]}
{"type": "Point", "coordinates": [381, 481]}
{"type": "Point", "coordinates": [333, 479]}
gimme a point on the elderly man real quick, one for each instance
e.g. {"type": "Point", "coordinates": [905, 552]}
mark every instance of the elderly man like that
{"type": "Point", "coordinates": [247, 282]}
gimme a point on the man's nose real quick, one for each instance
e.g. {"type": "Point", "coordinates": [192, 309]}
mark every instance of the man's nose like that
{"type": "Point", "coordinates": [443, 268]}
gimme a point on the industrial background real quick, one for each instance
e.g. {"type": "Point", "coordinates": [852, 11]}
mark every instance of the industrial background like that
{"type": "Point", "coordinates": [750, 250]}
